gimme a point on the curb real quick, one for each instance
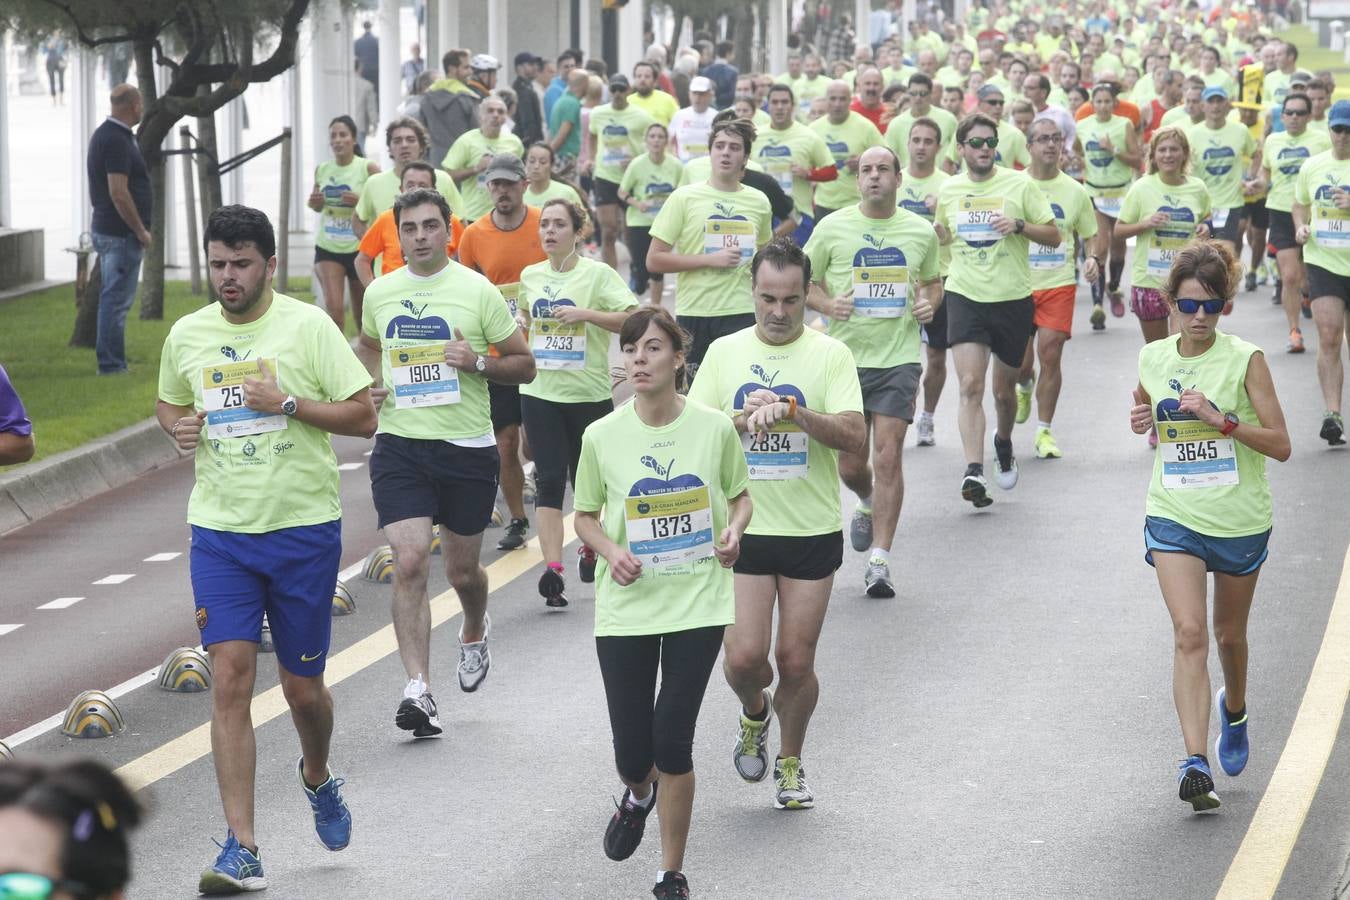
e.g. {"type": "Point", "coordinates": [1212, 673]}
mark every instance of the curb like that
{"type": "Point", "coordinates": [84, 472]}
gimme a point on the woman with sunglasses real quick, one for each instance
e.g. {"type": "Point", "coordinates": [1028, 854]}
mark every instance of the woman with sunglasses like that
{"type": "Point", "coordinates": [64, 831]}
{"type": "Point", "coordinates": [1213, 401]}
{"type": "Point", "coordinates": [1110, 150]}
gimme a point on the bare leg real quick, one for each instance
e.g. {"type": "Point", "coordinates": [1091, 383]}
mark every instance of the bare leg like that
{"type": "Point", "coordinates": [1004, 384]}
{"type": "Point", "coordinates": [1232, 604]}
{"type": "Point", "coordinates": [934, 378]}
{"type": "Point", "coordinates": [1290, 264]}
{"type": "Point", "coordinates": [1332, 320]}
{"type": "Point", "coordinates": [746, 644]}
{"type": "Point", "coordinates": [674, 809]}
{"type": "Point", "coordinates": [234, 668]}
{"type": "Point", "coordinates": [610, 224]}
{"type": "Point", "coordinates": [1182, 580]}
{"type": "Point", "coordinates": [888, 434]}
{"type": "Point", "coordinates": [410, 539]}
{"type": "Point", "coordinates": [1050, 349]}
{"type": "Point", "coordinates": [972, 363]}
{"type": "Point", "coordinates": [332, 281]}
{"type": "Point", "coordinates": [1154, 329]}
{"type": "Point", "coordinates": [510, 473]}
{"type": "Point", "coordinates": [311, 706]}
{"type": "Point", "coordinates": [854, 470]}
{"type": "Point", "coordinates": [468, 578]}
{"type": "Point", "coordinates": [357, 290]}
{"type": "Point", "coordinates": [801, 613]}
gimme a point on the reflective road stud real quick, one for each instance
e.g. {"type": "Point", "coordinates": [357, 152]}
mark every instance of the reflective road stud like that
{"type": "Point", "coordinates": [380, 565]}
{"type": "Point", "coordinates": [344, 603]}
{"type": "Point", "coordinates": [92, 715]}
{"type": "Point", "coordinates": [5, 752]}
{"type": "Point", "coordinates": [185, 671]}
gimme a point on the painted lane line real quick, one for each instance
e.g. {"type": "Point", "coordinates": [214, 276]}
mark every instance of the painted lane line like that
{"type": "Point", "coordinates": [61, 603]}
{"type": "Point", "coordinates": [187, 748]}
{"type": "Point", "coordinates": [1259, 862]}
{"type": "Point", "coordinates": [115, 579]}
{"type": "Point", "coordinates": [6, 629]}
{"type": "Point", "coordinates": [347, 467]}
{"type": "Point", "coordinates": [162, 557]}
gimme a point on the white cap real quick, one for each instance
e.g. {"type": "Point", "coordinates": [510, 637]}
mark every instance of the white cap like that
{"type": "Point", "coordinates": [700, 83]}
{"type": "Point", "coordinates": [482, 62]}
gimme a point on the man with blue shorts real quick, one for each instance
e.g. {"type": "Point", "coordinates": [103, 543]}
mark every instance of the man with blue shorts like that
{"type": "Point", "coordinates": [254, 385]}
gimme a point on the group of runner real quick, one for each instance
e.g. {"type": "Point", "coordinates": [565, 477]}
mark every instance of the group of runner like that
{"type": "Point", "coordinates": [812, 259]}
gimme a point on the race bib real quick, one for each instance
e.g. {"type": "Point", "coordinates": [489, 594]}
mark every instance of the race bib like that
{"type": "Point", "coordinates": [781, 171]}
{"type": "Point", "coordinates": [1161, 253]}
{"type": "Point", "coordinates": [1331, 227]}
{"type": "Point", "coordinates": [777, 455]}
{"type": "Point", "coordinates": [223, 397]}
{"type": "Point", "coordinates": [693, 151]}
{"type": "Point", "coordinates": [617, 152]}
{"type": "Point", "coordinates": [1108, 206]}
{"type": "Point", "coordinates": [670, 529]}
{"type": "Point", "coordinates": [1042, 257]}
{"type": "Point", "coordinates": [338, 227]}
{"type": "Point", "coordinates": [558, 347]}
{"type": "Point", "coordinates": [1194, 455]}
{"type": "Point", "coordinates": [720, 233]}
{"type": "Point", "coordinates": [880, 292]}
{"type": "Point", "coordinates": [511, 294]}
{"type": "Point", "coordinates": [421, 377]}
{"type": "Point", "coordinates": [975, 219]}
{"type": "Point", "coordinates": [1219, 218]}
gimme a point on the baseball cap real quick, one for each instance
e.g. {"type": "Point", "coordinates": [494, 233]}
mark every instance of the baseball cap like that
{"type": "Point", "coordinates": [1340, 113]}
{"type": "Point", "coordinates": [1213, 91]}
{"type": "Point", "coordinates": [505, 167]}
{"type": "Point", "coordinates": [482, 62]}
{"type": "Point", "coordinates": [988, 90]}
{"type": "Point", "coordinates": [700, 83]}
{"type": "Point", "coordinates": [620, 81]}
{"type": "Point", "coordinates": [1302, 76]}
{"type": "Point", "coordinates": [526, 57]}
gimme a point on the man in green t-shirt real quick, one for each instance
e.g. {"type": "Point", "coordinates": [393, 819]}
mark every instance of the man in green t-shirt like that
{"type": "Point", "coordinates": [989, 215]}
{"type": "Point", "coordinates": [407, 140]}
{"type": "Point", "coordinates": [434, 333]}
{"type": "Point", "coordinates": [254, 385]}
{"type": "Point", "coordinates": [876, 275]}
{"type": "Point", "coordinates": [617, 132]}
{"type": "Point", "coordinates": [794, 156]}
{"type": "Point", "coordinates": [793, 394]}
{"type": "Point", "coordinates": [846, 134]}
{"type": "Point", "coordinates": [1218, 148]}
{"type": "Point", "coordinates": [468, 158]}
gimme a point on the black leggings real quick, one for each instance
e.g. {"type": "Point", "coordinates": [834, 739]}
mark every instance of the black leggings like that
{"type": "Point", "coordinates": [639, 241]}
{"type": "Point", "coordinates": [554, 431]}
{"type": "Point", "coordinates": [650, 728]}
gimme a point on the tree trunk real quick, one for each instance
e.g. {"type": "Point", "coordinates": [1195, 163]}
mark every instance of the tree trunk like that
{"type": "Point", "coordinates": [85, 333]}
{"type": "Point", "coordinates": [742, 25]}
{"type": "Point", "coordinates": [675, 32]}
{"type": "Point", "coordinates": [152, 269]}
{"type": "Point", "coordinates": [208, 180]}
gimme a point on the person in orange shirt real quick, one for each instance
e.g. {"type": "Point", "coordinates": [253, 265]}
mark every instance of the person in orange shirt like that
{"type": "Point", "coordinates": [381, 239]}
{"type": "Point", "coordinates": [1122, 108]}
{"type": "Point", "coordinates": [499, 245]}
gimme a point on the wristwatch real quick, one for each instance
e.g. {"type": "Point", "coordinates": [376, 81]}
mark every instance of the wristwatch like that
{"type": "Point", "coordinates": [480, 364]}
{"type": "Point", "coordinates": [288, 406]}
{"type": "Point", "coordinates": [1019, 225]}
{"type": "Point", "coordinates": [1230, 422]}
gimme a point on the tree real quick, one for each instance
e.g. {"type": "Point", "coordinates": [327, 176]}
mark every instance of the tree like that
{"type": "Point", "coordinates": [208, 47]}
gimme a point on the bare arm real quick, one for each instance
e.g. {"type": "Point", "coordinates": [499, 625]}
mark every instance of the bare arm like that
{"type": "Point", "coordinates": [315, 198]}
{"type": "Point", "coordinates": [359, 225]}
{"type": "Point", "coordinates": [560, 138]}
{"type": "Point", "coordinates": [1047, 234]}
{"type": "Point", "coordinates": [610, 321]}
{"type": "Point", "coordinates": [838, 431]}
{"type": "Point", "coordinates": [516, 363]}
{"type": "Point", "coordinates": [126, 207]}
{"type": "Point", "coordinates": [661, 258]}
{"type": "Point", "coordinates": [354, 417]}
{"type": "Point", "coordinates": [1271, 436]}
{"type": "Point", "coordinates": [785, 227]}
{"type": "Point", "coordinates": [1131, 155]}
{"type": "Point", "coordinates": [15, 448]}
{"type": "Point", "coordinates": [365, 269]}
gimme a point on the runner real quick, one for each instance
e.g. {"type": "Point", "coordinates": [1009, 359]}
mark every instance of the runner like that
{"type": "Point", "coordinates": [265, 514]}
{"type": "Point", "coordinates": [1011, 149]}
{"type": "Point", "coordinates": [1283, 155]}
{"type": "Point", "coordinates": [706, 232]}
{"type": "Point", "coordinates": [919, 194]}
{"type": "Point", "coordinates": [472, 152]}
{"type": "Point", "coordinates": [1213, 401]}
{"type": "Point", "coordinates": [1054, 283]}
{"type": "Point", "coordinates": [920, 93]}
{"type": "Point", "coordinates": [659, 602]}
{"type": "Point", "coordinates": [381, 240]}
{"type": "Point", "coordinates": [499, 245]}
{"type": "Point", "coordinates": [1111, 155]}
{"type": "Point", "coordinates": [427, 331]}
{"type": "Point", "coordinates": [407, 140]}
{"type": "Point", "coordinates": [794, 396]}
{"type": "Point", "coordinates": [337, 187]}
{"type": "Point", "coordinates": [1321, 216]}
{"type": "Point", "coordinates": [1163, 212]}
{"type": "Point", "coordinates": [647, 183]}
{"type": "Point", "coordinates": [795, 156]}
{"type": "Point", "coordinates": [876, 276]}
{"type": "Point", "coordinates": [541, 186]}
{"type": "Point", "coordinates": [847, 135]}
{"type": "Point", "coordinates": [1220, 146]}
{"type": "Point", "coordinates": [615, 138]}
{"type": "Point", "coordinates": [990, 215]}
{"type": "Point", "coordinates": [570, 306]}
{"type": "Point", "coordinates": [690, 127]}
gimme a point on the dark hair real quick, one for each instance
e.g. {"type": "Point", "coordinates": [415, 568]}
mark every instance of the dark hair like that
{"type": "Point", "coordinates": [1107, 86]}
{"type": "Point", "coordinates": [725, 48]}
{"type": "Point", "coordinates": [418, 165]}
{"type": "Point", "coordinates": [1209, 262]}
{"type": "Point", "coordinates": [453, 59]}
{"type": "Point", "coordinates": [1299, 96]}
{"type": "Point", "coordinates": [642, 318]}
{"type": "Point", "coordinates": [655, 124]}
{"type": "Point", "coordinates": [781, 252]}
{"type": "Point", "coordinates": [971, 122]}
{"type": "Point", "coordinates": [236, 225]}
{"type": "Point", "coordinates": [742, 128]}
{"type": "Point", "coordinates": [780, 88]}
{"type": "Point", "coordinates": [93, 809]}
{"type": "Point", "coordinates": [656, 70]}
{"type": "Point", "coordinates": [350, 125]}
{"type": "Point", "coordinates": [926, 122]}
{"type": "Point", "coordinates": [920, 79]}
{"type": "Point", "coordinates": [407, 122]}
{"type": "Point", "coordinates": [417, 197]}
{"type": "Point", "coordinates": [543, 145]}
{"type": "Point", "coordinates": [596, 66]}
{"type": "Point", "coordinates": [1038, 81]}
{"type": "Point", "coordinates": [1291, 49]}
{"type": "Point", "coordinates": [577, 214]}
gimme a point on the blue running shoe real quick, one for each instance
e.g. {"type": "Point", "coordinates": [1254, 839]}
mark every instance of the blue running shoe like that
{"type": "Point", "coordinates": [1196, 784]}
{"type": "Point", "coordinates": [236, 870]}
{"type": "Point", "coordinates": [1231, 744]}
{"type": "Point", "coordinates": [332, 819]}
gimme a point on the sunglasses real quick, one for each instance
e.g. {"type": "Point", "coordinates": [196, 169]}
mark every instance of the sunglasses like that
{"type": "Point", "coordinates": [977, 143]}
{"type": "Point", "coordinates": [27, 886]}
{"type": "Point", "coordinates": [994, 102]}
{"type": "Point", "coordinates": [1340, 129]}
{"type": "Point", "coordinates": [1213, 305]}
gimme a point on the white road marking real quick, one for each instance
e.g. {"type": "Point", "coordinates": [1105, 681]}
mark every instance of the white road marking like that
{"type": "Point", "coordinates": [368, 452]}
{"type": "Point", "coordinates": [61, 603]}
{"type": "Point", "coordinates": [6, 629]}
{"type": "Point", "coordinates": [162, 557]}
{"type": "Point", "coordinates": [115, 579]}
{"type": "Point", "coordinates": [347, 467]}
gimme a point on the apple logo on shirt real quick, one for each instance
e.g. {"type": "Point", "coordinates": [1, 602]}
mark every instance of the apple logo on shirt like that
{"type": "Point", "coordinates": [877, 255]}
{"type": "Point", "coordinates": [415, 326]}
{"type": "Point", "coordinates": [766, 382]}
{"type": "Point", "coordinates": [544, 306]}
{"type": "Point", "coordinates": [1169, 408]}
{"type": "Point", "coordinates": [664, 484]}
{"type": "Point", "coordinates": [1219, 160]}
{"type": "Point", "coordinates": [1178, 214]}
{"type": "Point", "coordinates": [1292, 153]}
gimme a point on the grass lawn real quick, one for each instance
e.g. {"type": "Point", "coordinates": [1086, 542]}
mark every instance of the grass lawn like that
{"type": "Point", "coordinates": [1313, 58]}
{"type": "Point", "coordinates": [67, 401]}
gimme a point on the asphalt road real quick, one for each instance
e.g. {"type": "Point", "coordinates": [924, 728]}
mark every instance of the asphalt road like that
{"type": "Point", "coordinates": [1003, 728]}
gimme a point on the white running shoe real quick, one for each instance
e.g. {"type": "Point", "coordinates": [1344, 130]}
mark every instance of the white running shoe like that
{"type": "Point", "coordinates": [474, 659]}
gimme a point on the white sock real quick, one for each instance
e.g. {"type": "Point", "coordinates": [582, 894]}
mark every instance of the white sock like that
{"type": "Point", "coordinates": [865, 503]}
{"type": "Point", "coordinates": [660, 873]}
{"type": "Point", "coordinates": [925, 416]}
{"type": "Point", "coordinates": [416, 687]}
{"type": "Point", "coordinates": [878, 553]}
{"type": "Point", "coordinates": [1044, 425]}
{"type": "Point", "coordinates": [1026, 385]}
{"type": "Point", "coordinates": [645, 803]}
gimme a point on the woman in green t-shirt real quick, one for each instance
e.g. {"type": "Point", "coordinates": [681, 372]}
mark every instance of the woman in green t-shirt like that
{"type": "Point", "coordinates": [671, 481]}
{"type": "Point", "coordinates": [1213, 401]}
{"type": "Point", "coordinates": [569, 306]}
{"type": "Point", "coordinates": [337, 187]}
{"type": "Point", "coordinates": [540, 185]}
{"type": "Point", "coordinates": [647, 183]}
{"type": "Point", "coordinates": [1110, 151]}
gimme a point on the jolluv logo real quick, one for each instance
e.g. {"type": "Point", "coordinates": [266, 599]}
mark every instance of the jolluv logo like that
{"type": "Point", "coordinates": [874, 241]}
{"type": "Point", "coordinates": [233, 355]}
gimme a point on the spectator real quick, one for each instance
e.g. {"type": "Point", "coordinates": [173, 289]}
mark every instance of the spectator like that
{"type": "Point", "coordinates": [412, 68]}
{"type": "Point", "coordinates": [841, 39]}
{"type": "Point", "coordinates": [16, 431]}
{"type": "Point", "coordinates": [684, 70]}
{"type": "Point", "coordinates": [364, 106]}
{"type": "Point", "coordinates": [367, 48]}
{"type": "Point", "coordinates": [483, 81]}
{"type": "Point", "coordinates": [564, 123]}
{"type": "Point", "coordinates": [567, 61]}
{"type": "Point", "coordinates": [54, 48]}
{"type": "Point", "coordinates": [723, 75]}
{"type": "Point", "coordinates": [449, 107]}
{"type": "Point", "coordinates": [542, 79]}
{"type": "Point", "coordinates": [119, 190]}
{"type": "Point", "coordinates": [412, 104]}
{"type": "Point", "coordinates": [528, 122]}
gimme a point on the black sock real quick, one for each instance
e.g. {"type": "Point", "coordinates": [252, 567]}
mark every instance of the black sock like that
{"type": "Point", "coordinates": [1202, 757]}
{"type": "Point", "coordinates": [1117, 267]}
{"type": "Point", "coordinates": [1002, 442]}
{"type": "Point", "coordinates": [1234, 717]}
{"type": "Point", "coordinates": [759, 716]}
{"type": "Point", "coordinates": [975, 469]}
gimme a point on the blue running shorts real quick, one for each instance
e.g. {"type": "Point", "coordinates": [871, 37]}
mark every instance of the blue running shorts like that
{"type": "Point", "coordinates": [1230, 556]}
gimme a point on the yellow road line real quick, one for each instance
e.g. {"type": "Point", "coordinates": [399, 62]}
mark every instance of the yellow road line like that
{"type": "Point", "coordinates": [186, 749]}
{"type": "Point", "coordinates": [1259, 863]}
